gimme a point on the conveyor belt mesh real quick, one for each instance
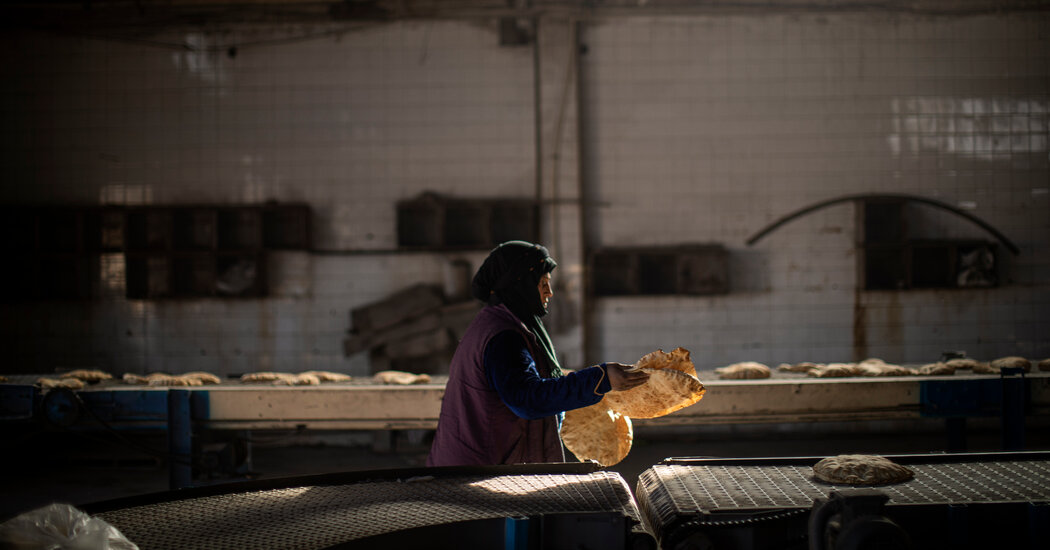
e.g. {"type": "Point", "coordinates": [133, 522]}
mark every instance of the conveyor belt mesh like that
{"type": "Point", "coordinates": [665, 491]}
{"type": "Point", "coordinates": [322, 516]}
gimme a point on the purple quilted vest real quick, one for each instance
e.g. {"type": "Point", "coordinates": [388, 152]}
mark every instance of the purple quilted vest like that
{"type": "Point", "coordinates": [475, 426]}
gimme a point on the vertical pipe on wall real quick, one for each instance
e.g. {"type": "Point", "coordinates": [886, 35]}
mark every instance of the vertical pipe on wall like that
{"type": "Point", "coordinates": [584, 200]}
{"type": "Point", "coordinates": [537, 110]}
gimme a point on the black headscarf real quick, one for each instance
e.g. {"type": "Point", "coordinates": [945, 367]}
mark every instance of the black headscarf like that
{"type": "Point", "coordinates": [511, 276]}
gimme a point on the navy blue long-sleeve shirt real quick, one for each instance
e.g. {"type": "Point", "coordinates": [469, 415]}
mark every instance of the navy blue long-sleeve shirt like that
{"type": "Point", "coordinates": [512, 372]}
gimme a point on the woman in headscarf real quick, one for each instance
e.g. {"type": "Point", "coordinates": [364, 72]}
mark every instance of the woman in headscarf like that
{"type": "Point", "coordinates": [506, 392]}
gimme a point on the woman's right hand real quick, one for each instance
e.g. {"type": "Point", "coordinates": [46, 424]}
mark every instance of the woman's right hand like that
{"type": "Point", "coordinates": [624, 377]}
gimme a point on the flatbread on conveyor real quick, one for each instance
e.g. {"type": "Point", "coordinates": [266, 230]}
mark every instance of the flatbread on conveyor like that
{"type": "Point", "coordinates": [672, 385]}
{"type": "Point", "coordinates": [87, 375]}
{"type": "Point", "coordinates": [52, 383]}
{"type": "Point", "coordinates": [878, 367]}
{"type": "Point", "coordinates": [597, 433]}
{"type": "Point", "coordinates": [281, 378]}
{"type": "Point", "coordinates": [962, 363]}
{"type": "Point", "coordinates": [400, 378]}
{"type": "Point", "coordinates": [1012, 362]}
{"type": "Point", "coordinates": [996, 366]}
{"type": "Point", "coordinates": [936, 369]}
{"type": "Point", "coordinates": [204, 377]}
{"type": "Point", "coordinates": [746, 370]}
{"type": "Point", "coordinates": [326, 376]}
{"type": "Point", "coordinates": [860, 470]}
{"type": "Point", "coordinates": [1044, 365]}
{"type": "Point", "coordinates": [835, 370]}
{"type": "Point", "coordinates": [804, 366]}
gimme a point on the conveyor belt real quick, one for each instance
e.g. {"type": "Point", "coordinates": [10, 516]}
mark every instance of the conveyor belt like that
{"type": "Point", "coordinates": [363, 405]}
{"type": "Point", "coordinates": [680, 496]}
{"type": "Point", "coordinates": [324, 515]}
{"type": "Point", "coordinates": [718, 487]}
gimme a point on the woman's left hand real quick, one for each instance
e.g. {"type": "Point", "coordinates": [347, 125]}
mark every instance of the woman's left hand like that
{"type": "Point", "coordinates": [624, 377]}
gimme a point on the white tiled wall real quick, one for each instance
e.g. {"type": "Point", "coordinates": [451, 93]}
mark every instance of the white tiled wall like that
{"type": "Point", "coordinates": [703, 128]}
{"type": "Point", "coordinates": [349, 122]}
{"type": "Point", "coordinates": [707, 129]}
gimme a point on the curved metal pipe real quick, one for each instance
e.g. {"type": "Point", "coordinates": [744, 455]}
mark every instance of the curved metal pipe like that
{"type": "Point", "coordinates": [974, 219]}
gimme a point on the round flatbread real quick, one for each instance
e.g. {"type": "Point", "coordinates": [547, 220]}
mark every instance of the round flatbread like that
{"type": "Point", "coordinates": [205, 378]}
{"type": "Point", "coordinates": [672, 385]}
{"type": "Point", "coordinates": [400, 378]}
{"type": "Point", "coordinates": [860, 470]}
{"type": "Point", "coordinates": [984, 367]}
{"type": "Point", "coordinates": [962, 363]}
{"type": "Point", "coordinates": [1012, 362]}
{"type": "Point", "coordinates": [1044, 365]}
{"type": "Point", "coordinates": [883, 369]}
{"type": "Point", "coordinates": [936, 369]}
{"type": "Point", "coordinates": [747, 370]}
{"type": "Point", "coordinates": [804, 366]}
{"type": "Point", "coordinates": [68, 383]}
{"type": "Point", "coordinates": [597, 433]}
{"type": "Point", "coordinates": [88, 375]}
{"type": "Point", "coordinates": [328, 376]}
{"type": "Point", "coordinates": [835, 370]}
{"type": "Point", "coordinates": [678, 359]}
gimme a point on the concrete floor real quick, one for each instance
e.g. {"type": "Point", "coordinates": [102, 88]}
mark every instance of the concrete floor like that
{"type": "Point", "coordinates": [41, 468]}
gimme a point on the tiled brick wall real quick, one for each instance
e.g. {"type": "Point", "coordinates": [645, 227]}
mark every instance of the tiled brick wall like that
{"type": "Point", "coordinates": [707, 129]}
{"type": "Point", "coordinates": [701, 128]}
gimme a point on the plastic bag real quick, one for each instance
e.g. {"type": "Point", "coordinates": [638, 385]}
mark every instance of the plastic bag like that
{"type": "Point", "coordinates": [61, 526]}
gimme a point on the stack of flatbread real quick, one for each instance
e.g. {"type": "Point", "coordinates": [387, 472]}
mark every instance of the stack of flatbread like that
{"type": "Point", "coordinates": [603, 431]}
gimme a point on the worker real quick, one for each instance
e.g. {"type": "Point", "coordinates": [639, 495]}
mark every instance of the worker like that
{"type": "Point", "coordinates": [506, 393]}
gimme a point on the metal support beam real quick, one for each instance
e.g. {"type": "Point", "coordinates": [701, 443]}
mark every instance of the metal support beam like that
{"type": "Point", "coordinates": [180, 439]}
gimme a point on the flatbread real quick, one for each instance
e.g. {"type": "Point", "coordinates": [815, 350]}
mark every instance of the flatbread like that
{"type": "Point", "coordinates": [1011, 362]}
{"type": "Point", "coordinates": [205, 377]}
{"type": "Point", "coordinates": [747, 370]}
{"type": "Point", "coordinates": [804, 366]}
{"type": "Point", "coordinates": [326, 376]}
{"type": "Point", "coordinates": [962, 363]}
{"type": "Point", "coordinates": [879, 368]}
{"type": "Point", "coordinates": [281, 378]}
{"type": "Point", "coordinates": [1044, 365]}
{"type": "Point", "coordinates": [936, 369]}
{"type": "Point", "coordinates": [860, 470]}
{"type": "Point", "coordinates": [984, 368]}
{"type": "Point", "coordinates": [672, 385]}
{"type": "Point", "coordinates": [87, 375]}
{"type": "Point", "coordinates": [175, 381]}
{"type": "Point", "coordinates": [597, 433]}
{"type": "Point", "coordinates": [143, 380]}
{"type": "Point", "coordinates": [678, 359]}
{"type": "Point", "coordinates": [52, 383]}
{"type": "Point", "coordinates": [835, 370]}
{"type": "Point", "coordinates": [253, 377]}
{"type": "Point", "coordinates": [400, 378]}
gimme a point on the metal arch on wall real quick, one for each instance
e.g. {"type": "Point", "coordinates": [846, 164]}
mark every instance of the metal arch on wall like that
{"type": "Point", "coordinates": [814, 207]}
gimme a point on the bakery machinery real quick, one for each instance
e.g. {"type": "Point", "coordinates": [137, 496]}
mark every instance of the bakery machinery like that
{"type": "Point", "coordinates": [954, 501]}
{"type": "Point", "coordinates": [520, 507]}
{"type": "Point", "coordinates": [183, 415]}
